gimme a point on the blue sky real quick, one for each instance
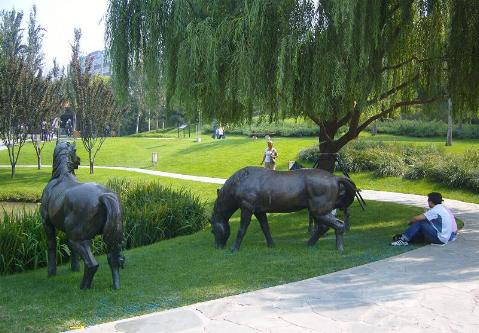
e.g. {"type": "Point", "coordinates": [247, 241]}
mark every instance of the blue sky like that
{"type": "Point", "coordinates": [59, 17]}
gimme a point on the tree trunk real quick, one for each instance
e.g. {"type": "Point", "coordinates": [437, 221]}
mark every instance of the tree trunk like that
{"type": "Point", "coordinates": [13, 170]}
{"type": "Point", "coordinates": [327, 153]}
{"type": "Point", "coordinates": [374, 129]}
{"type": "Point", "coordinates": [449, 123]}
{"type": "Point", "coordinates": [327, 159]}
{"type": "Point", "coordinates": [149, 121]}
{"type": "Point", "coordinates": [38, 152]}
{"type": "Point", "coordinates": [91, 162]}
{"type": "Point", "coordinates": [137, 122]}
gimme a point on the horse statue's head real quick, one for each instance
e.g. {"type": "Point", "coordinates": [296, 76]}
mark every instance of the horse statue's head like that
{"type": "Point", "coordinates": [65, 159]}
{"type": "Point", "coordinates": [220, 227]}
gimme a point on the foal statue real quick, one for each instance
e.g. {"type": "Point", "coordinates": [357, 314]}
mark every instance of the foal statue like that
{"type": "Point", "coordinates": [259, 191]}
{"type": "Point", "coordinates": [82, 211]}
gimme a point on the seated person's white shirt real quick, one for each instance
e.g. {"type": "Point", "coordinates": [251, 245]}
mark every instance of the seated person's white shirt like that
{"type": "Point", "coordinates": [441, 220]}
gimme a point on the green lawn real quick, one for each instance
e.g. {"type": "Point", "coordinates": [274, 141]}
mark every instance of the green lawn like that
{"type": "Point", "coordinates": [29, 183]}
{"type": "Point", "coordinates": [213, 158]}
{"type": "Point", "coordinates": [188, 269]}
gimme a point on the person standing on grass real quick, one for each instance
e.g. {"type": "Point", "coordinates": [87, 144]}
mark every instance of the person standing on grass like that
{"type": "Point", "coordinates": [269, 157]}
{"type": "Point", "coordinates": [434, 226]}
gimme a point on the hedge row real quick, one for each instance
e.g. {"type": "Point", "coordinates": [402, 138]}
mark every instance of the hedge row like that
{"type": "Point", "coordinates": [410, 162]}
{"type": "Point", "coordinates": [417, 128]}
{"type": "Point", "coordinates": [286, 129]}
{"type": "Point", "coordinates": [151, 213]}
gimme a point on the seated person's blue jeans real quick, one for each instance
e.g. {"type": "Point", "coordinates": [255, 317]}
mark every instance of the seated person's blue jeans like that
{"type": "Point", "coordinates": [422, 228]}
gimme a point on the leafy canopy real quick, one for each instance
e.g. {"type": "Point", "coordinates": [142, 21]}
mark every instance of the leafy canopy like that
{"type": "Point", "coordinates": [336, 62]}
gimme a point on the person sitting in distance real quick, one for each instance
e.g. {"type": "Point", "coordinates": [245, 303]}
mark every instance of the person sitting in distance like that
{"type": "Point", "coordinates": [437, 225]}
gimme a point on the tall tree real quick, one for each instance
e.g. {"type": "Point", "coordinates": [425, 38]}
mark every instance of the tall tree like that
{"type": "Point", "coordinates": [92, 100]}
{"type": "Point", "coordinates": [13, 77]}
{"type": "Point", "coordinates": [339, 63]}
{"type": "Point", "coordinates": [47, 102]}
{"type": "Point", "coordinates": [44, 95]}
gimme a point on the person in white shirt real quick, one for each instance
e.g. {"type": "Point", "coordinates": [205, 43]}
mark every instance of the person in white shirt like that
{"type": "Point", "coordinates": [269, 157]}
{"type": "Point", "coordinates": [434, 226]}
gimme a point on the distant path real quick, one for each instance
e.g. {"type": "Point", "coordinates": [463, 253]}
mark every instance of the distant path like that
{"type": "Point", "coordinates": [200, 179]}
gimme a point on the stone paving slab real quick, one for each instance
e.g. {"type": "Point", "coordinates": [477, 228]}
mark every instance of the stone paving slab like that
{"type": "Point", "coordinates": [431, 289]}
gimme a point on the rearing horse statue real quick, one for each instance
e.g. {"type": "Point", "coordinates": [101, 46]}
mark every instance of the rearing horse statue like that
{"type": "Point", "coordinates": [82, 211]}
{"type": "Point", "coordinates": [259, 191]}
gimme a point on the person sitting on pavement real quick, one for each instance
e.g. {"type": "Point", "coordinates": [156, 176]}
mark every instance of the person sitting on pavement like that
{"type": "Point", "coordinates": [434, 226]}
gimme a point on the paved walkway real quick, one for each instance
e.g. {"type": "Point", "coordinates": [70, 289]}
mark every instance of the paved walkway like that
{"type": "Point", "coordinates": [138, 170]}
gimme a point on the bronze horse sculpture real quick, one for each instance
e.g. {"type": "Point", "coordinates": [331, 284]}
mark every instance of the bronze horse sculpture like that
{"type": "Point", "coordinates": [257, 191]}
{"type": "Point", "coordinates": [82, 211]}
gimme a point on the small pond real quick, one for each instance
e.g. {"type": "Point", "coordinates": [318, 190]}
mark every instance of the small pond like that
{"type": "Point", "coordinates": [17, 206]}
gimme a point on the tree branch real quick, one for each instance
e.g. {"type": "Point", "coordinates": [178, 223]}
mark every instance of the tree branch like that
{"type": "Point", "coordinates": [398, 105]}
{"type": "Point", "coordinates": [405, 62]}
{"type": "Point", "coordinates": [352, 131]}
{"type": "Point", "coordinates": [393, 90]}
{"type": "Point", "coordinates": [321, 125]}
{"type": "Point", "coordinates": [344, 120]}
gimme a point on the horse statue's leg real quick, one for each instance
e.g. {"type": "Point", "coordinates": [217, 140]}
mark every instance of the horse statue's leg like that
{"type": "Point", "coordinates": [317, 233]}
{"type": "Point", "coordinates": [263, 222]}
{"type": "Point", "coordinates": [114, 260]}
{"type": "Point", "coordinates": [52, 247]}
{"type": "Point", "coordinates": [245, 221]}
{"type": "Point", "coordinates": [91, 266]}
{"type": "Point", "coordinates": [312, 224]}
{"type": "Point", "coordinates": [74, 262]}
{"type": "Point", "coordinates": [329, 220]}
{"type": "Point", "coordinates": [346, 218]}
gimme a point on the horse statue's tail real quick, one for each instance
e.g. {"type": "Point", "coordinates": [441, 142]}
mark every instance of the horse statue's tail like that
{"type": "Point", "coordinates": [113, 235]}
{"type": "Point", "coordinates": [347, 192]}
{"type": "Point", "coordinates": [113, 229]}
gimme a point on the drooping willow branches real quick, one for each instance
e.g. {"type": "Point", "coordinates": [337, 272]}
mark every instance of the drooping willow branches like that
{"type": "Point", "coordinates": [339, 63]}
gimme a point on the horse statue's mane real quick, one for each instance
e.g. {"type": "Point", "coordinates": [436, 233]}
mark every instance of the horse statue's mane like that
{"type": "Point", "coordinates": [235, 179]}
{"type": "Point", "coordinates": [61, 157]}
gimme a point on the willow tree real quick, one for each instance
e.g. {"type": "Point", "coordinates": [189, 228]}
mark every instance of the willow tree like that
{"type": "Point", "coordinates": [342, 64]}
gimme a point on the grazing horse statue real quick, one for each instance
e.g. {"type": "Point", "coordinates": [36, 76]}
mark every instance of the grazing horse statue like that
{"type": "Point", "coordinates": [259, 191]}
{"type": "Point", "coordinates": [82, 211]}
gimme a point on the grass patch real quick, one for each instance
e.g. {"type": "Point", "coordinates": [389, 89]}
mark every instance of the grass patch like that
{"type": "Point", "coordinates": [188, 269]}
{"type": "Point", "coordinates": [214, 158]}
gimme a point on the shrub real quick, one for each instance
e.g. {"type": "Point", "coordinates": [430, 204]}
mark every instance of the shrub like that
{"type": "Point", "coordinates": [23, 242]}
{"type": "Point", "coordinates": [411, 162]}
{"type": "Point", "coordinates": [151, 213]}
{"type": "Point", "coordinates": [285, 128]}
{"type": "Point", "coordinates": [418, 128]}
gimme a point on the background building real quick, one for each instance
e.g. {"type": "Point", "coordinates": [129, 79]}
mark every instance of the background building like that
{"type": "Point", "coordinates": [100, 64]}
